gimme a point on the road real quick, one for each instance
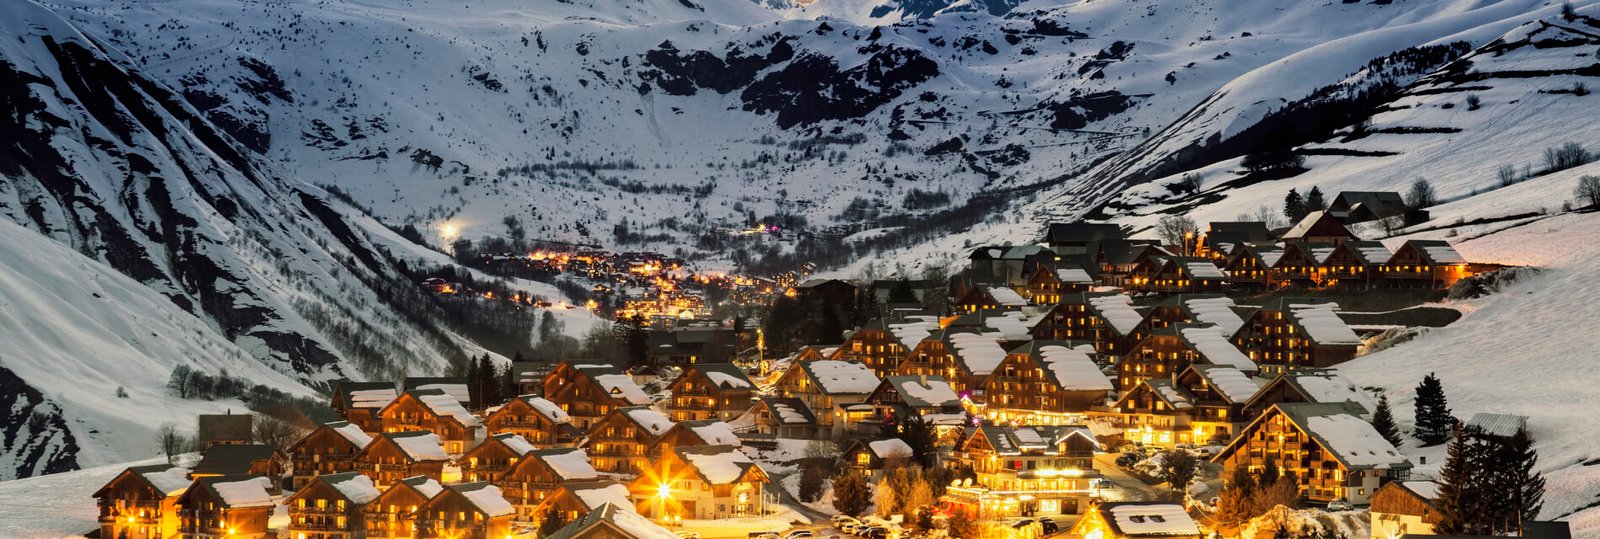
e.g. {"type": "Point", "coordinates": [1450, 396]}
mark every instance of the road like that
{"type": "Point", "coordinates": [1128, 487]}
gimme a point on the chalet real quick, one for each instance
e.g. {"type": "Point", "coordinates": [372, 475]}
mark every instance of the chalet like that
{"type": "Point", "coordinates": [824, 292]}
{"type": "Point", "coordinates": [688, 433]}
{"type": "Point", "coordinates": [1318, 227]}
{"type": "Point", "coordinates": [828, 387]}
{"type": "Point", "coordinates": [226, 505]}
{"type": "Point", "coordinates": [1249, 266]}
{"type": "Point", "coordinates": [594, 392]}
{"type": "Point", "coordinates": [1295, 333]}
{"type": "Point", "coordinates": [454, 387]}
{"type": "Point", "coordinates": [1166, 352]}
{"type": "Point", "coordinates": [1026, 470]}
{"type": "Point", "coordinates": [1356, 264]}
{"type": "Point", "coordinates": [1302, 264]}
{"type": "Point", "coordinates": [466, 510]}
{"type": "Point", "coordinates": [359, 402]}
{"type": "Point", "coordinates": [705, 482]}
{"type": "Point", "coordinates": [393, 456]}
{"type": "Point", "coordinates": [620, 442]}
{"type": "Point", "coordinates": [683, 346]}
{"type": "Point", "coordinates": [1136, 520]}
{"type": "Point", "coordinates": [330, 448]}
{"type": "Point", "coordinates": [963, 357]}
{"type": "Point", "coordinates": [1156, 412]}
{"type": "Point", "coordinates": [1119, 260]}
{"type": "Point", "coordinates": [141, 502]}
{"type": "Point", "coordinates": [393, 514]}
{"type": "Point", "coordinates": [990, 297]}
{"type": "Point", "coordinates": [263, 460]}
{"type": "Point", "coordinates": [1216, 395]}
{"type": "Point", "coordinates": [1176, 274]}
{"type": "Point", "coordinates": [1400, 508]}
{"type": "Point", "coordinates": [1008, 265]}
{"type": "Point", "coordinates": [1049, 282]}
{"type": "Point", "coordinates": [1080, 237]}
{"type": "Point", "coordinates": [1503, 427]}
{"type": "Point", "coordinates": [613, 522]}
{"type": "Point", "coordinates": [871, 458]}
{"type": "Point", "coordinates": [224, 429]}
{"type": "Point", "coordinates": [331, 507]}
{"type": "Point", "coordinates": [1366, 206]}
{"type": "Point", "coordinates": [490, 460]}
{"type": "Point", "coordinates": [436, 411]}
{"type": "Point", "coordinates": [877, 344]}
{"type": "Point", "coordinates": [573, 499]}
{"type": "Point", "coordinates": [566, 371]}
{"type": "Point", "coordinates": [1102, 318]}
{"type": "Point", "coordinates": [782, 417]}
{"type": "Point", "coordinates": [536, 419]}
{"type": "Point", "coordinates": [528, 376]}
{"type": "Point", "coordinates": [1307, 385]}
{"type": "Point", "coordinates": [1222, 237]}
{"type": "Point", "coordinates": [813, 352]}
{"type": "Point", "coordinates": [538, 475]}
{"type": "Point", "coordinates": [929, 397]}
{"type": "Point", "coordinates": [1431, 263]}
{"type": "Point", "coordinates": [1188, 309]}
{"type": "Point", "coordinates": [1045, 382]}
{"type": "Point", "coordinates": [1331, 449]}
{"type": "Point", "coordinates": [710, 391]}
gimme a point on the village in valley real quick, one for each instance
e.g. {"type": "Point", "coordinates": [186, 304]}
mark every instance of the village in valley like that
{"type": "Point", "coordinates": [1097, 382]}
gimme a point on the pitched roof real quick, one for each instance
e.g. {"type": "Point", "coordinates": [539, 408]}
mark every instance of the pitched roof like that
{"type": "Point", "coordinates": [352, 486]}
{"type": "Point", "coordinates": [1068, 365]}
{"type": "Point", "coordinates": [233, 459]}
{"type": "Point", "coordinates": [1370, 253]}
{"type": "Point", "coordinates": [1502, 425]}
{"type": "Point", "coordinates": [424, 485]}
{"type": "Point", "coordinates": [725, 375]}
{"type": "Point", "coordinates": [455, 387]}
{"type": "Point", "coordinates": [789, 410]}
{"type": "Point", "coordinates": [717, 464]}
{"type": "Point", "coordinates": [164, 478]}
{"type": "Point", "coordinates": [224, 427]}
{"type": "Point", "coordinates": [1324, 386]}
{"type": "Point", "coordinates": [923, 391]}
{"type": "Point", "coordinates": [835, 377]}
{"type": "Point", "coordinates": [1315, 220]}
{"type": "Point", "coordinates": [1211, 343]}
{"type": "Point", "coordinates": [1233, 384]}
{"type": "Point", "coordinates": [419, 445]}
{"type": "Point", "coordinates": [622, 517]}
{"type": "Point", "coordinates": [1147, 519]}
{"type": "Point", "coordinates": [1436, 252]}
{"type": "Point", "coordinates": [236, 491]}
{"type": "Point", "coordinates": [373, 395]}
{"type": "Point", "coordinates": [1349, 438]}
{"type": "Point", "coordinates": [485, 497]}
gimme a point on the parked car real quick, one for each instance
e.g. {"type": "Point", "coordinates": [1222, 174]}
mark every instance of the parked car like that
{"type": "Point", "coordinates": [800, 534]}
{"type": "Point", "coordinates": [1339, 505]}
{"type": "Point", "coordinates": [1128, 459]}
{"type": "Point", "coordinates": [1101, 482]}
{"type": "Point", "coordinates": [685, 534]}
{"type": "Point", "coordinates": [850, 527]}
{"type": "Point", "coordinates": [766, 535]}
{"type": "Point", "coordinates": [875, 533]}
{"type": "Point", "coordinates": [839, 520]}
{"type": "Point", "coordinates": [1048, 525]}
{"type": "Point", "coordinates": [1020, 524]}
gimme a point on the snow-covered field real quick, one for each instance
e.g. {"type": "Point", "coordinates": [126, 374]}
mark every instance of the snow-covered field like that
{"type": "Point", "coordinates": [57, 505]}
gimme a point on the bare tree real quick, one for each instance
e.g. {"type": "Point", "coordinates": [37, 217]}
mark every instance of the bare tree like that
{"type": "Point", "coordinates": [268, 430]}
{"type": "Point", "coordinates": [1392, 224]}
{"type": "Point", "coordinates": [171, 441]}
{"type": "Point", "coordinates": [1178, 230]}
{"type": "Point", "coordinates": [1507, 175]}
{"type": "Point", "coordinates": [1421, 194]}
{"type": "Point", "coordinates": [1588, 191]}
{"type": "Point", "coordinates": [1271, 217]}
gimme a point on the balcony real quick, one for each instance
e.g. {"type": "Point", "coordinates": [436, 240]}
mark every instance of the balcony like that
{"type": "Point", "coordinates": [318, 527]}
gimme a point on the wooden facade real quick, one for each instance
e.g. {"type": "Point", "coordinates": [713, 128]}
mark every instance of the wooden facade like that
{"type": "Point", "coordinates": [1161, 355]}
{"type": "Point", "coordinates": [592, 392]}
{"type": "Point", "coordinates": [432, 411]}
{"type": "Point", "coordinates": [1356, 264]}
{"type": "Point", "coordinates": [1276, 338]}
{"type": "Point", "coordinates": [826, 405]}
{"type": "Point", "coordinates": [1078, 319]}
{"type": "Point", "coordinates": [466, 510]}
{"type": "Point", "coordinates": [620, 443]}
{"type": "Point", "coordinates": [204, 511]}
{"type": "Point", "coordinates": [1033, 470]}
{"type": "Point", "coordinates": [1402, 508]}
{"type": "Point", "coordinates": [539, 421]}
{"type": "Point", "coordinates": [539, 474]}
{"type": "Point", "coordinates": [874, 346]}
{"type": "Point", "coordinates": [1026, 385]}
{"type": "Point", "coordinates": [330, 448]}
{"type": "Point", "coordinates": [1156, 413]}
{"type": "Point", "coordinates": [1050, 282]}
{"type": "Point", "coordinates": [718, 391]}
{"type": "Point", "coordinates": [394, 513]}
{"type": "Point", "coordinates": [1425, 263]}
{"type": "Point", "coordinates": [1249, 267]}
{"type": "Point", "coordinates": [1176, 275]}
{"type": "Point", "coordinates": [360, 402]}
{"type": "Point", "coordinates": [1287, 435]}
{"type": "Point", "coordinates": [387, 459]}
{"type": "Point", "coordinates": [141, 502]}
{"type": "Point", "coordinates": [321, 511]}
{"type": "Point", "coordinates": [490, 460]}
{"type": "Point", "coordinates": [696, 491]}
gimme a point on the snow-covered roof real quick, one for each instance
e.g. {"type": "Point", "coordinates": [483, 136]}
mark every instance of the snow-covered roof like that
{"type": "Point", "coordinates": [1321, 253]}
{"type": "Point", "coordinates": [980, 353]}
{"type": "Point", "coordinates": [1072, 368]}
{"type": "Point", "coordinates": [1322, 325]}
{"type": "Point", "coordinates": [1232, 383]}
{"type": "Point", "coordinates": [914, 329]}
{"type": "Point", "coordinates": [1007, 297]}
{"type": "Point", "coordinates": [1269, 257]}
{"type": "Point", "coordinates": [171, 480]}
{"type": "Point", "coordinates": [789, 411]}
{"type": "Point", "coordinates": [1073, 275]}
{"type": "Point", "coordinates": [1354, 441]}
{"type": "Point", "coordinates": [446, 405]}
{"type": "Point", "coordinates": [1202, 269]}
{"type": "Point", "coordinates": [1428, 490]}
{"type": "Point", "coordinates": [623, 387]}
{"type": "Point", "coordinates": [726, 375]}
{"type": "Point", "coordinates": [353, 486]}
{"type": "Point", "coordinates": [1213, 345]}
{"type": "Point", "coordinates": [486, 497]}
{"type": "Point", "coordinates": [419, 445]}
{"type": "Point", "coordinates": [457, 391]}
{"type": "Point", "coordinates": [372, 398]}
{"type": "Point", "coordinates": [1012, 325]}
{"type": "Point", "coordinates": [550, 410]}
{"type": "Point", "coordinates": [924, 391]}
{"type": "Point", "coordinates": [1137, 519]}
{"type": "Point", "coordinates": [717, 464]}
{"type": "Point", "coordinates": [654, 423]}
{"type": "Point", "coordinates": [247, 492]}
{"type": "Point", "coordinates": [1214, 310]}
{"type": "Point", "coordinates": [351, 432]}
{"type": "Point", "coordinates": [1118, 311]}
{"type": "Point", "coordinates": [598, 493]}
{"type": "Point", "coordinates": [1502, 425]}
{"type": "Point", "coordinates": [835, 377]}
{"type": "Point", "coordinates": [890, 448]}
{"type": "Point", "coordinates": [1371, 253]}
{"type": "Point", "coordinates": [516, 443]}
{"type": "Point", "coordinates": [570, 463]}
{"type": "Point", "coordinates": [1326, 386]}
{"type": "Point", "coordinates": [716, 433]}
{"type": "Point", "coordinates": [426, 486]}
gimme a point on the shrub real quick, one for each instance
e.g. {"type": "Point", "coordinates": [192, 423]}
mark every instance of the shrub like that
{"type": "Point", "coordinates": [1588, 191]}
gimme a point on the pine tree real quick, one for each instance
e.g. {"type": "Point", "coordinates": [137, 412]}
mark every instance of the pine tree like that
{"type": "Point", "coordinates": [1383, 421]}
{"type": "Point", "coordinates": [1294, 206]}
{"type": "Point", "coordinates": [850, 495]}
{"type": "Point", "coordinates": [552, 522]}
{"type": "Point", "coordinates": [1463, 502]}
{"type": "Point", "coordinates": [1314, 200]}
{"type": "Point", "coordinates": [1521, 487]}
{"type": "Point", "coordinates": [921, 436]}
{"type": "Point", "coordinates": [1433, 419]}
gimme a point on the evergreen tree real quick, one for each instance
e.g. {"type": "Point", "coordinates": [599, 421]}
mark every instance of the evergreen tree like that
{"type": "Point", "coordinates": [552, 522]}
{"type": "Point", "coordinates": [1433, 419]}
{"type": "Point", "coordinates": [1521, 487]}
{"type": "Point", "coordinates": [850, 493]}
{"type": "Point", "coordinates": [484, 377]}
{"type": "Point", "coordinates": [1314, 200]}
{"type": "Point", "coordinates": [901, 292]}
{"type": "Point", "coordinates": [1383, 421]}
{"type": "Point", "coordinates": [1463, 504]}
{"type": "Point", "coordinates": [921, 436]}
{"type": "Point", "coordinates": [1294, 206]}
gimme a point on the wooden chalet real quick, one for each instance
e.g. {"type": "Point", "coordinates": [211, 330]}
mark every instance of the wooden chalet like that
{"type": "Point", "coordinates": [538, 420]}
{"type": "Point", "coordinates": [718, 391]}
{"type": "Point", "coordinates": [1176, 275]}
{"type": "Point", "coordinates": [263, 460]}
{"type": "Point", "coordinates": [1026, 470]}
{"type": "Point", "coordinates": [1049, 282]}
{"type": "Point", "coordinates": [1046, 382]}
{"type": "Point", "coordinates": [393, 456]}
{"type": "Point", "coordinates": [330, 448]}
{"type": "Point", "coordinates": [1119, 260]}
{"type": "Point", "coordinates": [1331, 449]}
{"type": "Point", "coordinates": [1307, 385]}
{"type": "Point", "coordinates": [593, 392]}
{"type": "Point", "coordinates": [1136, 520]}
{"type": "Point", "coordinates": [1168, 351]}
{"type": "Point", "coordinates": [1294, 333]}
{"type": "Point", "coordinates": [360, 402]}
{"type": "Point", "coordinates": [1102, 318]}
{"type": "Point", "coordinates": [611, 521]}
{"type": "Point", "coordinates": [528, 376]}
{"type": "Point", "coordinates": [929, 397]}
{"type": "Point", "coordinates": [1318, 227]}
{"type": "Point", "coordinates": [490, 460]}
{"type": "Point", "coordinates": [707, 482]}
{"type": "Point", "coordinates": [226, 506]}
{"type": "Point", "coordinates": [141, 502]}
{"type": "Point", "coordinates": [393, 514]}
{"type": "Point", "coordinates": [1429, 263]}
{"type": "Point", "coordinates": [877, 345]}
{"type": "Point", "coordinates": [1356, 264]}
{"type": "Point", "coordinates": [565, 371]}
{"type": "Point", "coordinates": [1249, 266]}
{"type": "Point", "coordinates": [829, 388]}
{"type": "Point", "coordinates": [1156, 413]}
{"type": "Point", "coordinates": [620, 442]}
{"type": "Point", "coordinates": [965, 358]}
{"type": "Point", "coordinates": [824, 292]}
{"type": "Point", "coordinates": [1366, 206]}
{"type": "Point", "coordinates": [1080, 237]}
{"type": "Point", "coordinates": [989, 297]}
{"type": "Point", "coordinates": [455, 387]}
{"type": "Point", "coordinates": [1217, 395]}
{"type": "Point", "coordinates": [1188, 309]}
{"type": "Point", "coordinates": [466, 510]}
{"type": "Point", "coordinates": [331, 507]}
{"type": "Point", "coordinates": [691, 433]}
{"type": "Point", "coordinates": [224, 429]}
{"type": "Point", "coordinates": [814, 352]}
{"type": "Point", "coordinates": [782, 417]}
{"type": "Point", "coordinates": [435, 411]}
{"type": "Point", "coordinates": [1401, 508]}
{"type": "Point", "coordinates": [538, 474]}
{"type": "Point", "coordinates": [1302, 264]}
{"type": "Point", "coordinates": [573, 499]}
{"type": "Point", "coordinates": [1222, 237]}
{"type": "Point", "coordinates": [872, 457]}
{"type": "Point", "coordinates": [684, 346]}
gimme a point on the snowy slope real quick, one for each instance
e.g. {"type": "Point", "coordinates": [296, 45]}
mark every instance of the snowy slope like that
{"type": "Point", "coordinates": [69, 511]}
